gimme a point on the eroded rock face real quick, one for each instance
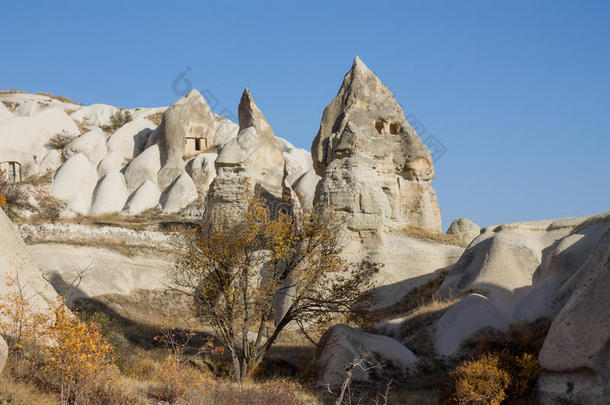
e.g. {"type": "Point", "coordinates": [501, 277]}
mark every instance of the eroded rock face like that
{"type": "Point", "coordinates": [373, 165]}
{"type": "Point", "coordinates": [576, 353]}
{"type": "Point", "coordinates": [375, 173]}
{"type": "Point", "coordinates": [558, 269]}
{"type": "Point", "coordinates": [15, 261]}
{"type": "Point", "coordinates": [305, 188]}
{"type": "Point", "coordinates": [190, 117]}
{"type": "Point", "coordinates": [252, 159]}
{"type": "Point", "coordinates": [202, 171]}
{"type": "Point", "coordinates": [341, 345]}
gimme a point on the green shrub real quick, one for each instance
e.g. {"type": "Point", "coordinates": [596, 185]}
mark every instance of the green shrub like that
{"type": "Point", "coordinates": [118, 119]}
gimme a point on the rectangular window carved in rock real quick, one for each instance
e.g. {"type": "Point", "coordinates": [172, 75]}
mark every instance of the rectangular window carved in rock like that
{"type": "Point", "coordinates": [379, 126]}
{"type": "Point", "coordinates": [393, 128]}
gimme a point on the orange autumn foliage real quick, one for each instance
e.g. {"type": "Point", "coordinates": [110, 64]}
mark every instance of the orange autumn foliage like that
{"type": "Point", "coordinates": [56, 349]}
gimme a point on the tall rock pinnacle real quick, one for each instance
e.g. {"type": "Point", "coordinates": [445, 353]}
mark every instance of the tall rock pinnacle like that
{"type": "Point", "coordinates": [253, 158]}
{"type": "Point", "coordinates": [373, 165]}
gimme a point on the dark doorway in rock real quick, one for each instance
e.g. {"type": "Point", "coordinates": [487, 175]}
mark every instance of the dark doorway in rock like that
{"type": "Point", "coordinates": [12, 171]}
{"type": "Point", "coordinates": [197, 144]}
{"type": "Point", "coordinates": [393, 128]}
{"type": "Point", "coordinates": [379, 125]}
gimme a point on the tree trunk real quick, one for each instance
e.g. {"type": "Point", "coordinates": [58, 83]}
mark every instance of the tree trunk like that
{"type": "Point", "coordinates": [236, 367]}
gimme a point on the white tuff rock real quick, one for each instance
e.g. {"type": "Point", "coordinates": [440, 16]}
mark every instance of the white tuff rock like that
{"type": "Point", "coordinates": [110, 194]}
{"type": "Point", "coordinates": [342, 345]}
{"type": "Point", "coordinates": [74, 183]}
{"type": "Point", "coordinates": [179, 194]}
{"type": "Point", "coordinates": [144, 198]}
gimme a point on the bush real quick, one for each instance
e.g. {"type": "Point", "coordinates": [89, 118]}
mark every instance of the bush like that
{"type": "Point", "coordinates": [517, 351]}
{"type": "Point", "coordinates": [60, 141]}
{"type": "Point", "coordinates": [479, 381]}
{"type": "Point", "coordinates": [56, 350]}
{"type": "Point", "coordinates": [117, 120]}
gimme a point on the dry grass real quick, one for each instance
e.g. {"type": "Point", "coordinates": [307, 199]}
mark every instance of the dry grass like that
{"type": "Point", "coordinates": [156, 117]}
{"type": "Point", "coordinates": [82, 125]}
{"type": "Point", "coordinates": [15, 392]}
{"type": "Point", "coordinates": [12, 91]}
{"type": "Point", "coordinates": [425, 313]}
{"type": "Point", "coordinates": [420, 233]}
{"type": "Point", "coordinates": [12, 106]}
{"type": "Point", "coordinates": [273, 392]}
{"type": "Point", "coordinates": [59, 98]}
{"type": "Point", "coordinates": [415, 298]}
{"type": "Point", "coordinates": [415, 329]}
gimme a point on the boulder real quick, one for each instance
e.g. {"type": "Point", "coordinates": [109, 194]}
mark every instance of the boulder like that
{"type": "Point", "coordinates": [471, 314]}
{"type": "Point", "coordinates": [529, 270]}
{"type": "Point", "coordinates": [202, 171]}
{"type": "Point", "coordinates": [110, 194]}
{"type": "Point", "coordinates": [92, 144]}
{"type": "Point", "coordinates": [15, 260]}
{"type": "Point", "coordinates": [74, 183]}
{"type": "Point", "coordinates": [508, 262]}
{"type": "Point", "coordinates": [179, 194]}
{"type": "Point", "coordinates": [144, 198]}
{"type": "Point", "coordinates": [464, 229]}
{"type": "Point", "coordinates": [112, 161]}
{"type": "Point", "coordinates": [375, 170]}
{"type": "Point", "coordinates": [142, 168]}
{"type": "Point", "coordinates": [129, 140]}
{"type": "Point", "coordinates": [190, 117]}
{"type": "Point", "coordinates": [51, 162]}
{"type": "Point", "coordinates": [575, 354]}
{"type": "Point", "coordinates": [305, 188]}
{"type": "Point", "coordinates": [95, 114]}
{"type": "Point", "coordinates": [342, 345]}
{"type": "Point", "coordinates": [251, 160]}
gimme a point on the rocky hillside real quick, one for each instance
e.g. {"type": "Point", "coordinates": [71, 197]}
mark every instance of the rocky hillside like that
{"type": "Point", "coordinates": [96, 192]}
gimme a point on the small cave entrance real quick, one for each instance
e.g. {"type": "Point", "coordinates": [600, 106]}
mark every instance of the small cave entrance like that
{"type": "Point", "coordinates": [394, 128]}
{"type": "Point", "coordinates": [380, 126]}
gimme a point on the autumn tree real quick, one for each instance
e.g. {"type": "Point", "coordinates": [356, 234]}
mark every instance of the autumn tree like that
{"type": "Point", "coordinates": [254, 271]}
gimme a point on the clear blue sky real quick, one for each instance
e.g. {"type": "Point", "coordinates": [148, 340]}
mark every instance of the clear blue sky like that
{"type": "Point", "coordinates": [518, 92]}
